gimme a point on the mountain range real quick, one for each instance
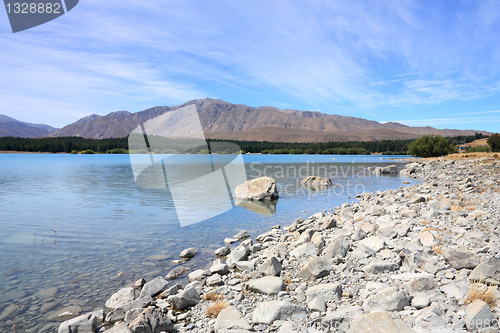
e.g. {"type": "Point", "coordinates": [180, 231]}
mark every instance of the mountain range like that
{"type": "Point", "coordinates": [12, 127]}
{"type": "Point", "coordinates": [223, 120]}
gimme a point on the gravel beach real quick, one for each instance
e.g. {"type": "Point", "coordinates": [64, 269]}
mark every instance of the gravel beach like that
{"type": "Point", "coordinates": [422, 258]}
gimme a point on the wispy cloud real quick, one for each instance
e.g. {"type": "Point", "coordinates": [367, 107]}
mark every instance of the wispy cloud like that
{"type": "Point", "coordinates": [482, 112]}
{"type": "Point", "coordinates": [358, 57]}
{"type": "Point", "coordinates": [438, 121]}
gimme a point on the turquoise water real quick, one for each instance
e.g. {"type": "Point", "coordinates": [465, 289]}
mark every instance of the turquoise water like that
{"type": "Point", "coordinates": [79, 223]}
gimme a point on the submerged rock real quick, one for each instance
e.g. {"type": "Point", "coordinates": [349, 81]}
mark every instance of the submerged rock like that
{"type": "Point", "coordinates": [176, 272]}
{"type": "Point", "coordinates": [188, 253]}
{"type": "Point", "coordinates": [315, 182]}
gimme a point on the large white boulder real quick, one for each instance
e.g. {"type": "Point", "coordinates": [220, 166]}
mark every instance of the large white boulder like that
{"type": "Point", "coordinates": [259, 189]}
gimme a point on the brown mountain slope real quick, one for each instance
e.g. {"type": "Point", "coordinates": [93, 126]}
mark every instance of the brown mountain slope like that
{"type": "Point", "coordinates": [276, 134]}
{"type": "Point", "coordinates": [224, 120]}
{"type": "Point", "coordinates": [12, 127]}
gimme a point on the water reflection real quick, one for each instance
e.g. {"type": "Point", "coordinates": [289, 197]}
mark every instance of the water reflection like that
{"type": "Point", "coordinates": [266, 208]}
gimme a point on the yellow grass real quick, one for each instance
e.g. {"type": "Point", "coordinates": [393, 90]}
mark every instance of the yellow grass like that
{"type": "Point", "coordinates": [213, 297]}
{"type": "Point", "coordinates": [480, 291]}
{"type": "Point", "coordinates": [478, 142]}
{"type": "Point", "coordinates": [287, 279]}
{"type": "Point", "coordinates": [213, 310]}
{"type": "Point", "coordinates": [459, 156]}
{"type": "Point", "coordinates": [465, 156]}
{"type": "Point", "coordinates": [438, 249]}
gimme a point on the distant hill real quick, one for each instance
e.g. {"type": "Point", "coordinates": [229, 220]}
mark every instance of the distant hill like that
{"type": "Point", "coordinates": [223, 120]}
{"type": "Point", "coordinates": [12, 127]}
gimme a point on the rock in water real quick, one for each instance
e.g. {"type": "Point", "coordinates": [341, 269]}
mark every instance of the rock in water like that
{"type": "Point", "coordinates": [222, 251]}
{"type": "Point", "coordinates": [315, 182]}
{"type": "Point", "coordinates": [388, 170]}
{"type": "Point", "coordinates": [188, 253]}
{"type": "Point", "coordinates": [379, 322]}
{"type": "Point", "coordinates": [243, 234]}
{"type": "Point", "coordinates": [262, 188]}
{"type": "Point", "coordinates": [176, 272]}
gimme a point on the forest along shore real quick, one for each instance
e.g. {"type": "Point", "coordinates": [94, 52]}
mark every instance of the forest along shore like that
{"type": "Point", "coordinates": [422, 258]}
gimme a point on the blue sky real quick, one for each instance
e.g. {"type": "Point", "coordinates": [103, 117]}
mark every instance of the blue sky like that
{"type": "Point", "coordinates": [421, 63]}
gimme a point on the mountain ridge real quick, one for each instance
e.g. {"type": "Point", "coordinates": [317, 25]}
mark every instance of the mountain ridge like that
{"type": "Point", "coordinates": [224, 120]}
{"type": "Point", "coordinates": [13, 127]}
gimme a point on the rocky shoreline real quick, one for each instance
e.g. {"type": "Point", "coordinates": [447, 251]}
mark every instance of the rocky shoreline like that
{"type": "Point", "coordinates": [422, 258]}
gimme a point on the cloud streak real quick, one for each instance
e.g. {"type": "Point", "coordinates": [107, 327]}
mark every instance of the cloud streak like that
{"type": "Point", "coordinates": [352, 57]}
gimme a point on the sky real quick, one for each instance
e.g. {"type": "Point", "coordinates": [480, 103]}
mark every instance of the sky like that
{"type": "Point", "coordinates": [420, 63]}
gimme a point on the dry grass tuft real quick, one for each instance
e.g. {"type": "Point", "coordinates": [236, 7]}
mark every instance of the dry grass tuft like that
{"type": "Point", "coordinates": [482, 292]}
{"type": "Point", "coordinates": [213, 310]}
{"type": "Point", "coordinates": [438, 249]}
{"type": "Point", "coordinates": [425, 222]}
{"type": "Point", "coordinates": [215, 297]}
{"type": "Point", "coordinates": [243, 278]}
{"type": "Point", "coordinates": [287, 279]}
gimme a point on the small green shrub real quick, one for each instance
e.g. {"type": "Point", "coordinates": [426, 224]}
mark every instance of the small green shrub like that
{"type": "Point", "coordinates": [479, 149]}
{"type": "Point", "coordinates": [117, 151]}
{"type": "Point", "coordinates": [74, 151]}
{"type": "Point", "coordinates": [87, 151]}
{"type": "Point", "coordinates": [431, 146]}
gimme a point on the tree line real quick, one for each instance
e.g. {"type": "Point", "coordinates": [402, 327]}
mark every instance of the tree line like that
{"type": "Point", "coordinates": [61, 144]}
{"type": "Point", "coordinates": [120, 145]}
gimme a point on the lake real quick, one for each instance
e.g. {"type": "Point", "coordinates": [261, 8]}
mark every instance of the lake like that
{"type": "Point", "coordinates": [76, 228]}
